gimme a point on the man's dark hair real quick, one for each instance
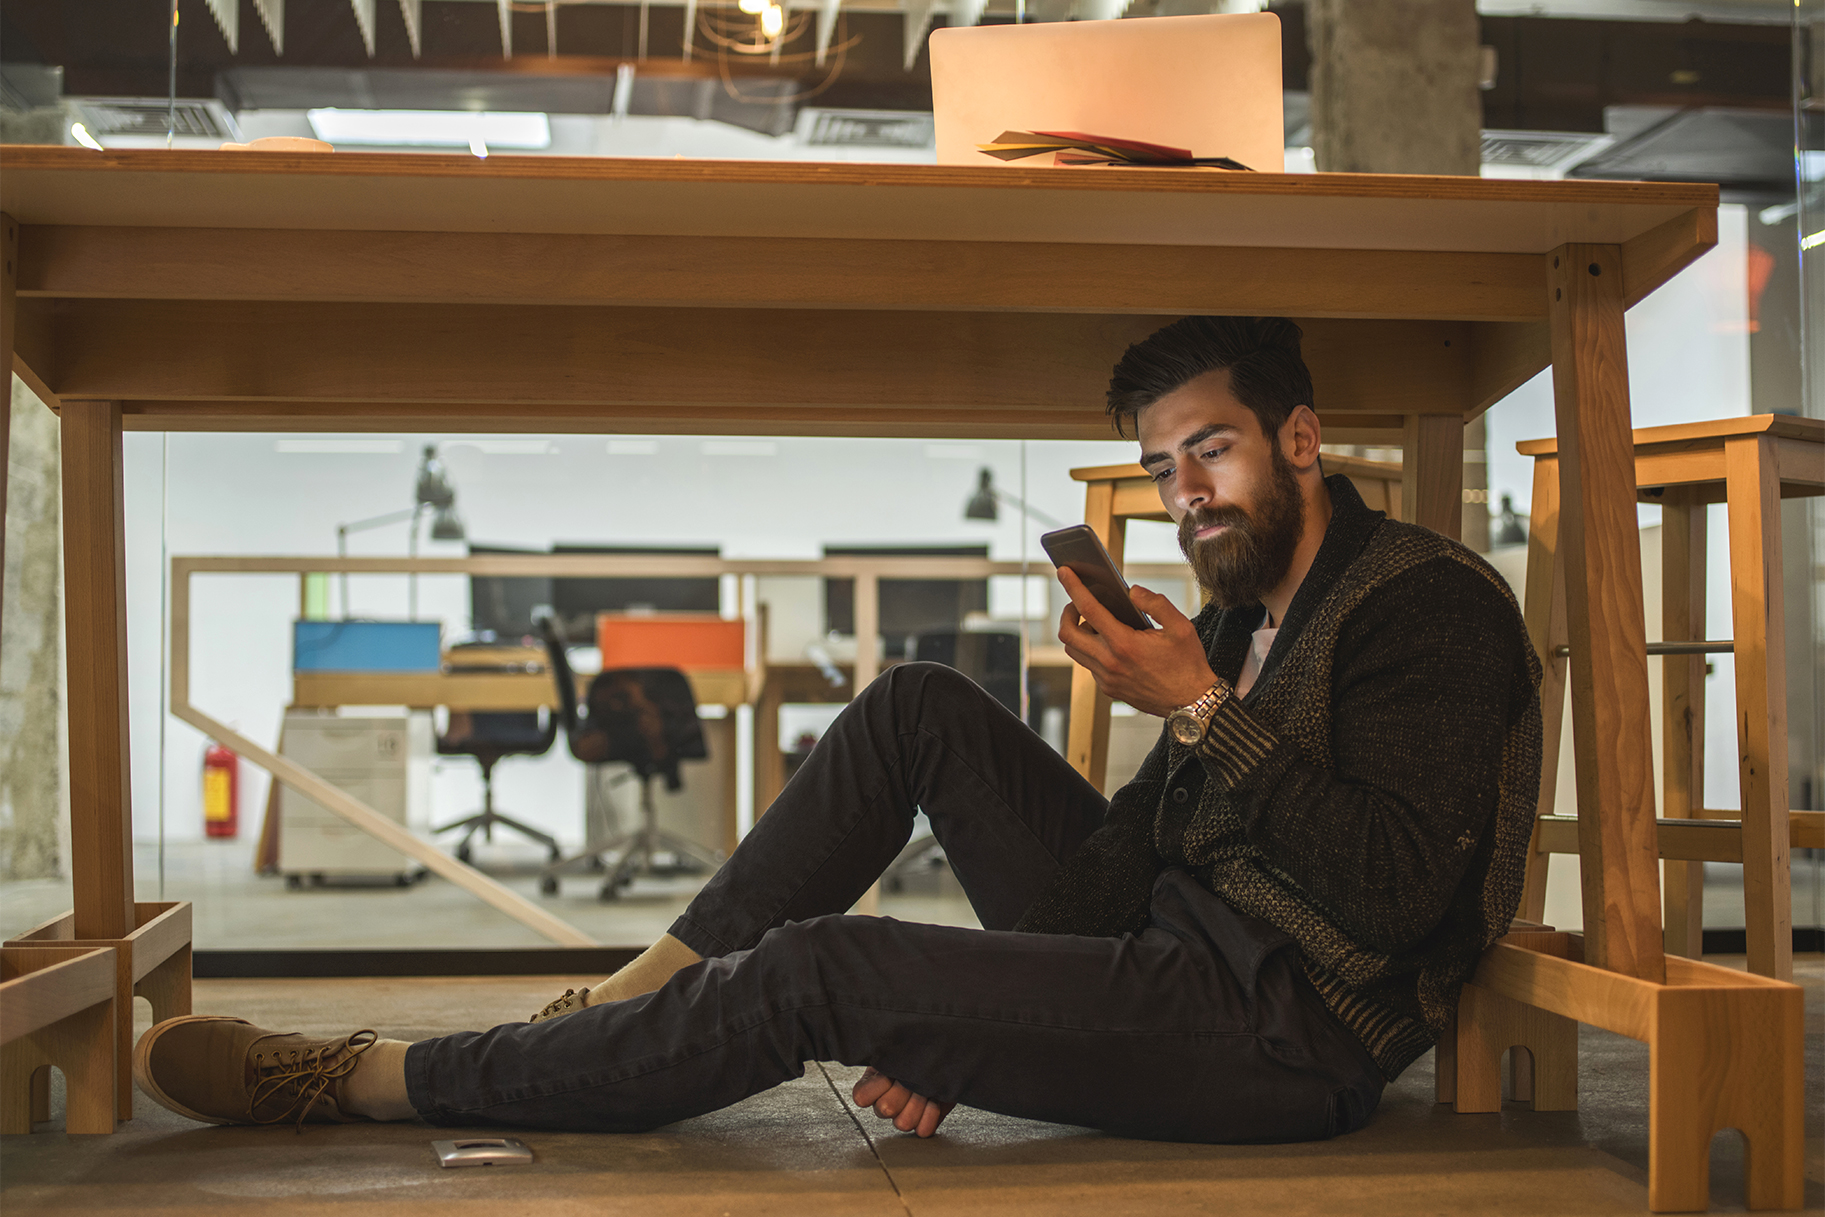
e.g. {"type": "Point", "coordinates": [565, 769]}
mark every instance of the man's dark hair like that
{"type": "Point", "coordinates": [1266, 372]}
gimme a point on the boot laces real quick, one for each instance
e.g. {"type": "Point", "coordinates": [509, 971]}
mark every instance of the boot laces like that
{"type": "Point", "coordinates": [297, 1077]}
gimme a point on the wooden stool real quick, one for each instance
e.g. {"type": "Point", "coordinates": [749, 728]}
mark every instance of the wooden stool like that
{"type": "Point", "coordinates": [152, 962]}
{"type": "Point", "coordinates": [1749, 464]}
{"type": "Point", "coordinates": [57, 1008]}
{"type": "Point", "coordinates": [1725, 1050]}
{"type": "Point", "coordinates": [1115, 494]}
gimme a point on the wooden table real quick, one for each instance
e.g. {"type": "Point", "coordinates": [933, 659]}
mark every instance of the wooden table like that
{"type": "Point", "coordinates": [250, 291]}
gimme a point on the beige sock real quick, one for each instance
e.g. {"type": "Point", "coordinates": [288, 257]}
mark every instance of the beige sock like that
{"type": "Point", "coordinates": [377, 1086]}
{"type": "Point", "coordinates": [651, 969]}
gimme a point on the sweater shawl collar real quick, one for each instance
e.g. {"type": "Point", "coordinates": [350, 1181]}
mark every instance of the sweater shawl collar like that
{"type": "Point", "coordinates": [1227, 631]}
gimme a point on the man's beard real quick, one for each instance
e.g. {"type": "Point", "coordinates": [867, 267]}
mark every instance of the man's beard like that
{"type": "Point", "coordinates": [1254, 551]}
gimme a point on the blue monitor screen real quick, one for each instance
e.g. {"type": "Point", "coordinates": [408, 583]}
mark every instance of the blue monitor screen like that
{"type": "Point", "coordinates": [366, 646]}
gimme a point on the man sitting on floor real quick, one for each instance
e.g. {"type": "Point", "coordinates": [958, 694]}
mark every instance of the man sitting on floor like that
{"type": "Point", "coordinates": [1246, 943]}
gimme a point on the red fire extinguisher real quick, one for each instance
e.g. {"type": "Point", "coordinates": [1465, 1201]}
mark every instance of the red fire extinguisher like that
{"type": "Point", "coordinates": [221, 791]}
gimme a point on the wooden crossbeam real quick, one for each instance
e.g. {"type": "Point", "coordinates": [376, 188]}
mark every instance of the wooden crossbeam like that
{"type": "Point", "coordinates": [792, 272]}
{"type": "Point", "coordinates": [840, 367]}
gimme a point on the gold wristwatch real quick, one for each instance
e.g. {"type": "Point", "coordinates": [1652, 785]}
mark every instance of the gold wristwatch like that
{"type": "Point", "coordinates": [1189, 723]}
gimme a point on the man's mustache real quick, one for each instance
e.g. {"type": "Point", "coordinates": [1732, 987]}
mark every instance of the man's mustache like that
{"type": "Point", "coordinates": [1200, 518]}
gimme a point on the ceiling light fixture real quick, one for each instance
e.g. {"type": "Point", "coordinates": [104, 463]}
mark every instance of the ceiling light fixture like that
{"type": "Point", "coordinates": [432, 128]}
{"type": "Point", "coordinates": [772, 20]}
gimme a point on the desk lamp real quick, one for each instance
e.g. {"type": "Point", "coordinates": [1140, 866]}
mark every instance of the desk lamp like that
{"type": "Point", "coordinates": [985, 503]}
{"type": "Point", "coordinates": [431, 491]}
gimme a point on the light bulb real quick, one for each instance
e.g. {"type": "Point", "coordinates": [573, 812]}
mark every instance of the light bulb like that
{"type": "Point", "coordinates": [81, 135]}
{"type": "Point", "coordinates": [772, 20]}
{"type": "Point", "coordinates": [753, 8]}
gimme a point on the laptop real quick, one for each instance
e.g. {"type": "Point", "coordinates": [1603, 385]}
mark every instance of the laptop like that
{"type": "Point", "coordinates": [1210, 84]}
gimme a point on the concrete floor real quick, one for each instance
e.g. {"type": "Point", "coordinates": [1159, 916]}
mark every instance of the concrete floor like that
{"type": "Point", "coordinates": [801, 1150]}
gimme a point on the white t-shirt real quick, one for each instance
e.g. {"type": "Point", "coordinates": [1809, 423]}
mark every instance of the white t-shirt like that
{"type": "Point", "coordinates": [1260, 643]}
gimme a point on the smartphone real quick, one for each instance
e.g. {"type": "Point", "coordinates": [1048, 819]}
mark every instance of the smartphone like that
{"type": "Point", "coordinates": [1079, 548]}
{"type": "Point", "coordinates": [482, 1151]}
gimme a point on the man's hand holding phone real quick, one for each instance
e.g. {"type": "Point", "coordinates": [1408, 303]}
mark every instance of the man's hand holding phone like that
{"type": "Point", "coordinates": [1155, 671]}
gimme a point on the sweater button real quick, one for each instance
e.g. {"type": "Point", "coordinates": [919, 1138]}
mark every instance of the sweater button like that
{"type": "Point", "coordinates": [1180, 794]}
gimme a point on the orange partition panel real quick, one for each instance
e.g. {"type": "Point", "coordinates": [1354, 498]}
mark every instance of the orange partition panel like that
{"type": "Point", "coordinates": [690, 641]}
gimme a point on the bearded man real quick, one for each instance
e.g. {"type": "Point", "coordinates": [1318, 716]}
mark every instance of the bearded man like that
{"type": "Point", "coordinates": [1245, 943]}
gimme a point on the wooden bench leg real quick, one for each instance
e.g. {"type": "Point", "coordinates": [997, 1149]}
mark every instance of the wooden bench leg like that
{"type": "Point", "coordinates": [1717, 1060]}
{"type": "Point", "coordinates": [1546, 629]}
{"type": "Point", "coordinates": [1444, 1065]}
{"type": "Point", "coordinates": [1682, 599]}
{"type": "Point", "coordinates": [1489, 1024]}
{"type": "Point", "coordinates": [167, 987]}
{"type": "Point", "coordinates": [82, 1046]}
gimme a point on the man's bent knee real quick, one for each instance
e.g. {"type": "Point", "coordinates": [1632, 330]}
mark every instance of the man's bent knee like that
{"type": "Point", "coordinates": [922, 689]}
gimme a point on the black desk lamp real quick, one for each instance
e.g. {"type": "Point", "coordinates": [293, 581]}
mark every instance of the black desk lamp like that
{"type": "Point", "coordinates": [432, 492]}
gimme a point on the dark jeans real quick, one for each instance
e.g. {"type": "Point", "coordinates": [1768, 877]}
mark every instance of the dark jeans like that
{"type": "Point", "coordinates": [1200, 1028]}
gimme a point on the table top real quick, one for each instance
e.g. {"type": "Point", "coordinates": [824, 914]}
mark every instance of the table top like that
{"type": "Point", "coordinates": [650, 196]}
{"type": "Point", "coordinates": [398, 292]}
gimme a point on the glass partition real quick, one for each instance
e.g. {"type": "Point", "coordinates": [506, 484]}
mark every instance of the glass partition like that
{"type": "Point", "coordinates": [370, 678]}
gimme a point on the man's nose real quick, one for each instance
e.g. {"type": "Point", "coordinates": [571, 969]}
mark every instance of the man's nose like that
{"type": "Point", "coordinates": [1190, 487]}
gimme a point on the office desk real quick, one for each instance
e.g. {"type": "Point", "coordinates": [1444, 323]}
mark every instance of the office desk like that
{"type": "Point", "coordinates": [460, 690]}
{"type": "Point", "coordinates": [268, 291]}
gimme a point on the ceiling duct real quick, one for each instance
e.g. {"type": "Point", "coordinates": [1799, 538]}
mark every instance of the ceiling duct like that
{"type": "Point", "coordinates": [29, 86]}
{"type": "Point", "coordinates": [1745, 149]}
{"type": "Point", "coordinates": [191, 118]}
{"type": "Point", "coordinates": [1548, 153]}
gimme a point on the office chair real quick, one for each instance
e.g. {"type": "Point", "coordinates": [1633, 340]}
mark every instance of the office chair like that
{"type": "Point", "coordinates": [991, 660]}
{"type": "Point", "coordinates": [490, 736]}
{"type": "Point", "coordinates": [647, 718]}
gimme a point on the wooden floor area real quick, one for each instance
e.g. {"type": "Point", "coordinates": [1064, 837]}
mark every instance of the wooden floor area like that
{"type": "Point", "coordinates": [800, 1150]}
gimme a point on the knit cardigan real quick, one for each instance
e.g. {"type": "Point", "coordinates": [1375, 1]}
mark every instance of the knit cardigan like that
{"type": "Point", "coordinates": [1372, 796]}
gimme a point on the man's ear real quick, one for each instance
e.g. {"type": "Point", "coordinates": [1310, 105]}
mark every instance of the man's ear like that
{"type": "Point", "coordinates": [1300, 436]}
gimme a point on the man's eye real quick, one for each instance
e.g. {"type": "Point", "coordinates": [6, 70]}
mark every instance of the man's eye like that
{"type": "Point", "coordinates": [1160, 475]}
{"type": "Point", "coordinates": [1209, 453]}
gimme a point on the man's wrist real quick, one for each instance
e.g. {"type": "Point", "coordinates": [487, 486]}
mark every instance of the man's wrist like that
{"type": "Point", "coordinates": [1189, 723]}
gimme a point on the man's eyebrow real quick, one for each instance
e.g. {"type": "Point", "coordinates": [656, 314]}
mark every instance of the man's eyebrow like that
{"type": "Point", "coordinates": [1190, 441]}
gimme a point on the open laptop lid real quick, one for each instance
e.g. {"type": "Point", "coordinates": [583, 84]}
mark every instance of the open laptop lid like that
{"type": "Point", "coordinates": [1208, 83]}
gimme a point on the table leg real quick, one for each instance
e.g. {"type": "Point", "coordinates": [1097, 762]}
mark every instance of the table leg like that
{"type": "Point", "coordinates": [1432, 473]}
{"type": "Point", "coordinates": [1088, 745]}
{"type": "Point", "coordinates": [1682, 599]}
{"type": "Point", "coordinates": [1618, 849]}
{"type": "Point", "coordinates": [95, 588]}
{"type": "Point", "coordinates": [1545, 613]}
{"type": "Point", "coordinates": [1753, 490]}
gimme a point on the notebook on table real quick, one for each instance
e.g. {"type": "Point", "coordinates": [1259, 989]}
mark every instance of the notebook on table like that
{"type": "Point", "coordinates": [1210, 84]}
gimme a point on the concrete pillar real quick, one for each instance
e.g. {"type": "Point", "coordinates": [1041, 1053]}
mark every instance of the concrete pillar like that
{"type": "Point", "coordinates": [31, 667]}
{"type": "Point", "coordinates": [1395, 90]}
{"type": "Point", "coordinates": [1394, 86]}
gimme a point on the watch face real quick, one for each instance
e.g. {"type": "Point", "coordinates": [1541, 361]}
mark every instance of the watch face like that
{"type": "Point", "coordinates": [1186, 728]}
